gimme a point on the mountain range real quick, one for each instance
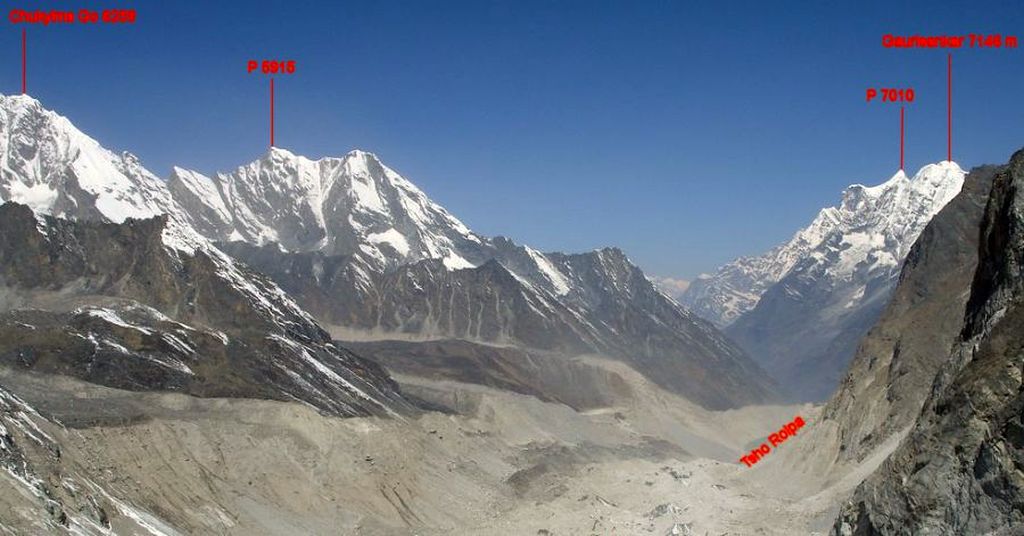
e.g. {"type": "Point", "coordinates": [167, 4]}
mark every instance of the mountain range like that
{"type": "Point", "coordinates": [104, 279]}
{"type": "Point", "coordinates": [369, 255]}
{"type": "Point", "coordinates": [315, 346]}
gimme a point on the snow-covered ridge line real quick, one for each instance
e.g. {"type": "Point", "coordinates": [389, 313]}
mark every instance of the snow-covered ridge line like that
{"type": "Point", "coordinates": [41, 150]}
{"type": "Point", "coordinates": [352, 204]}
{"type": "Point", "coordinates": [349, 205]}
{"type": "Point", "coordinates": [881, 220]}
{"type": "Point", "coordinates": [51, 166]}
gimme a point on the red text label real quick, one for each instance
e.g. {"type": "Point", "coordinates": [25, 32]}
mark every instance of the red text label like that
{"type": "Point", "coordinates": [950, 41]}
{"type": "Point", "coordinates": [271, 66]}
{"type": "Point", "coordinates": [787, 431]}
{"type": "Point", "coordinates": [890, 94]}
{"type": "Point", "coordinates": [85, 16]}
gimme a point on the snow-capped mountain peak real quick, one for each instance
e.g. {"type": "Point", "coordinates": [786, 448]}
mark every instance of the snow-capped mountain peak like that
{"type": "Point", "coordinates": [879, 221]}
{"type": "Point", "coordinates": [352, 205]}
{"type": "Point", "coordinates": [57, 170]}
{"type": "Point", "coordinates": [51, 166]}
{"type": "Point", "coordinates": [804, 327]}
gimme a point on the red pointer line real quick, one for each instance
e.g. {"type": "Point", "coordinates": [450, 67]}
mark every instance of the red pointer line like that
{"type": "Point", "coordinates": [271, 112]}
{"type": "Point", "coordinates": [901, 138]}
{"type": "Point", "coordinates": [24, 61]}
{"type": "Point", "coordinates": [949, 107]}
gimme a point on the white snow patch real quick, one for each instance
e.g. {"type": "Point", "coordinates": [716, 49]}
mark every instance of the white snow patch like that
{"type": "Point", "coordinates": [855, 298]}
{"type": "Point", "coordinates": [38, 197]}
{"type": "Point", "coordinates": [143, 519]}
{"type": "Point", "coordinates": [178, 344]}
{"type": "Point", "coordinates": [558, 281]}
{"type": "Point", "coordinates": [393, 238]}
{"type": "Point", "coordinates": [111, 317]}
{"type": "Point", "coordinates": [455, 262]}
{"type": "Point", "coordinates": [365, 193]}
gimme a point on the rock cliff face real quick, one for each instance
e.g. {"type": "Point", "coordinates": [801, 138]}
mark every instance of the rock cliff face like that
{"type": "Point", "coordinates": [959, 469]}
{"type": "Point", "coordinates": [111, 304]}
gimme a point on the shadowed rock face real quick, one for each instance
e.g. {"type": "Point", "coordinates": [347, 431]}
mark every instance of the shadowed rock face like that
{"type": "Point", "coordinates": [111, 304]}
{"type": "Point", "coordinates": [959, 469]}
{"type": "Point", "coordinates": [611, 309]}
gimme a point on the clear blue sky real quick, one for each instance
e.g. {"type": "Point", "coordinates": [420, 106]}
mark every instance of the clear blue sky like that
{"type": "Point", "coordinates": [686, 134]}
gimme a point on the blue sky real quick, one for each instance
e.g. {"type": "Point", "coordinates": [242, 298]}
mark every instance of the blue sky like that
{"type": "Point", "coordinates": [686, 134]}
